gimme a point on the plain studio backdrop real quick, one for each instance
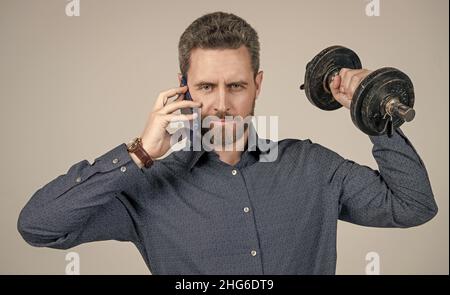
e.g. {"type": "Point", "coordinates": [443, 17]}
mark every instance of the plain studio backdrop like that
{"type": "Point", "coordinates": [72, 88]}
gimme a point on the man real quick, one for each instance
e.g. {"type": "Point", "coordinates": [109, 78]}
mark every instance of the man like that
{"type": "Point", "coordinates": [226, 211]}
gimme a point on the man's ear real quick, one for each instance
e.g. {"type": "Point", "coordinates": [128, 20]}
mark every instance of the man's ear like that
{"type": "Point", "coordinates": [180, 76]}
{"type": "Point", "coordinates": [258, 82]}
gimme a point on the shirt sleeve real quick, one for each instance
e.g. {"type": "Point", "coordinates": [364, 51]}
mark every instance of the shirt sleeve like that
{"type": "Point", "coordinates": [91, 202]}
{"type": "Point", "coordinates": [398, 194]}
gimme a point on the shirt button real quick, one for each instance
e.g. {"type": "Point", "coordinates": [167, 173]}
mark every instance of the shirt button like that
{"type": "Point", "coordinates": [246, 209]}
{"type": "Point", "coordinates": [115, 161]}
{"type": "Point", "coordinates": [253, 253]}
{"type": "Point", "coordinates": [78, 179]}
{"type": "Point", "coordinates": [234, 171]}
{"type": "Point", "coordinates": [123, 168]}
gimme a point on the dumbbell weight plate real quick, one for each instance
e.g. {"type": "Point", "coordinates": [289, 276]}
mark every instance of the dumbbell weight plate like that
{"type": "Point", "coordinates": [367, 108]}
{"type": "Point", "coordinates": [331, 58]}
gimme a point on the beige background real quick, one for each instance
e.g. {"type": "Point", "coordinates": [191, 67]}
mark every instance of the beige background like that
{"type": "Point", "coordinates": [74, 88]}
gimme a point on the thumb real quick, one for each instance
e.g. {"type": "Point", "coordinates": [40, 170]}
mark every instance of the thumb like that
{"type": "Point", "coordinates": [339, 96]}
{"type": "Point", "coordinates": [335, 84]}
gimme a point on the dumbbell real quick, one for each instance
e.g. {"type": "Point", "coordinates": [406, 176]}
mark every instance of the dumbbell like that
{"type": "Point", "coordinates": [383, 100]}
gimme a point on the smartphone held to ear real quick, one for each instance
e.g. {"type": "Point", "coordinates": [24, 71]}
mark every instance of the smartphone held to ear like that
{"type": "Point", "coordinates": [194, 129]}
{"type": "Point", "coordinates": [184, 83]}
{"type": "Point", "coordinates": [187, 96]}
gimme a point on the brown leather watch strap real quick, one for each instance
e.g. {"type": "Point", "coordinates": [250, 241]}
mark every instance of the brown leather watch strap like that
{"type": "Point", "coordinates": [136, 147]}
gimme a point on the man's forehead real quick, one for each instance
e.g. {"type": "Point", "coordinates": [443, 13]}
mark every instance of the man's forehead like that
{"type": "Point", "coordinates": [215, 52]}
{"type": "Point", "coordinates": [213, 75]}
{"type": "Point", "coordinates": [219, 77]}
{"type": "Point", "coordinates": [206, 64]}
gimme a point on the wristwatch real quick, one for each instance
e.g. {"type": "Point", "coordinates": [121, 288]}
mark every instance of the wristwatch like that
{"type": "Point", "coordinates": [135, 147]}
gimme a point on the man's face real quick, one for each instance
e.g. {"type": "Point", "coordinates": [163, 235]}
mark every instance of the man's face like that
{"type": "Point", "coordinates": [223, 80]}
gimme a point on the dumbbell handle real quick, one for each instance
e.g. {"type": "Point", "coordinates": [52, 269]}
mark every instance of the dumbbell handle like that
{"type": "Point", "coordinates": [395, 108]}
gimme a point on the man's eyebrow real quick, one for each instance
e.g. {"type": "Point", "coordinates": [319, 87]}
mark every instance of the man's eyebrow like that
{"type": "Point", "coordinates": [202, 83]}
{"type": "Point", "coordinates": [240, 82]}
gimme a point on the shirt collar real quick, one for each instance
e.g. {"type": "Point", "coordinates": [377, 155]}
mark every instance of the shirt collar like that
{"type": "Point", "coordinates": [252, 149]}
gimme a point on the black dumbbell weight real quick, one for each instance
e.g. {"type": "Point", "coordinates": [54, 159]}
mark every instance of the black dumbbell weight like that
{"type": "Point", "coordinates": [383, 101]}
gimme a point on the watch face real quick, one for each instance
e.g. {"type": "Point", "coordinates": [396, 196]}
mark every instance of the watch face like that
{"type": "Point", "coordinates": [132, 145]}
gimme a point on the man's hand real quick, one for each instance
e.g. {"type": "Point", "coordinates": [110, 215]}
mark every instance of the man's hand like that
{"type": "Point", "coordinates": [155, 138]}
{"type": "Point", "coordinates": [345, 83]}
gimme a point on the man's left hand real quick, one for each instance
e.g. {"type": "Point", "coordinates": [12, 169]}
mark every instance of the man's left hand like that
{"type": "Point", "coordinates": [345, 83]}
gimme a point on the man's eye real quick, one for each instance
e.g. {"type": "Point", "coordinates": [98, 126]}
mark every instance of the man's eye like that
{"type": "Point", "coordinates": [235, 86]}
{"type": "Point", "coordinates": [206, 87]}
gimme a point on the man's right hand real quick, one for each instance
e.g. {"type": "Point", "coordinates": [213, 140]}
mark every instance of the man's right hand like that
{"type": "Point", "coordinates": [155, 138]}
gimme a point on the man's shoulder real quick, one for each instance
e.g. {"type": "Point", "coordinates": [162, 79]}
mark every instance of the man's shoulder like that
{"type": "Point", "coordinates": [304, 148]}
{"type": "Point", "coordinates": [293, 145]}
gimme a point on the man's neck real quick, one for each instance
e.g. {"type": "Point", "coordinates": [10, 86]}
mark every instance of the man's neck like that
{"type": "Point", "coordinates": [232, 157]}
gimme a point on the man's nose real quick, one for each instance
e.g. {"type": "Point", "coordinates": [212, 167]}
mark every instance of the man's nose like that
{"type": "Point", "coordinates": [222, 102]}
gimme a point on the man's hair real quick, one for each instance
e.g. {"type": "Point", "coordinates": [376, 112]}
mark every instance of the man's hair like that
{"type": "Point", "coordinates": [218, 30]}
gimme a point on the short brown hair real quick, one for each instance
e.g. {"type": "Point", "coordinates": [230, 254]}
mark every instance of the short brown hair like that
{"type": "Point", "coordinates": [218, 30]}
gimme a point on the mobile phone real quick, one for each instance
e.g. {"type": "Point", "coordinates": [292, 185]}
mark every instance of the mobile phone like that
{"type": "Point", "coordinates": [187, 96]}
{"type": "Point", "coordinates": [194, 130]}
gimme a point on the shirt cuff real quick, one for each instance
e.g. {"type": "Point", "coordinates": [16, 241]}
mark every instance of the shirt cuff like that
{"type": "Point", "coordinates": [119, 161]}
{"type": "Point", "coordinates": [398, 139]}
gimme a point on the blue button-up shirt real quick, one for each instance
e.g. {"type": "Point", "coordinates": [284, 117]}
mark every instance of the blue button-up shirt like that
{"type": "Point", "coordinates": [191, 213]}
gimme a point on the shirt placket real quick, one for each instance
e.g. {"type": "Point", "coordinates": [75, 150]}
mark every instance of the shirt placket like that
{"type": "Point", "coordinates": [246, 208]}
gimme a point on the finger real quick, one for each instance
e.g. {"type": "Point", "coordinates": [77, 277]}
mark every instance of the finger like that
{"type": "Point", "coordinates": [348, 76]}
{"type": "Point", "coordinates": [166, 95]}
{"type": "Point", "coordinates": [343, 99]}
{"type": "Point", "coordinates": [355, 81]}
{"type": "Point", "coordinates": [180, 117]}
{"type": "Point", "coordinates": [335, 82]}
{"type": "Point", "coordinates": [347, 80]}
{"type": "Point", "coordinates": [342, 74]}
{"type": "Point", "coordinates": [163, 96]}
{"type": "Point", "coordinates": [179, 105]}
{"type": "Point", "coordinates": [178, 98]}
{"type": "Point", "coordinates": [334, 85]}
